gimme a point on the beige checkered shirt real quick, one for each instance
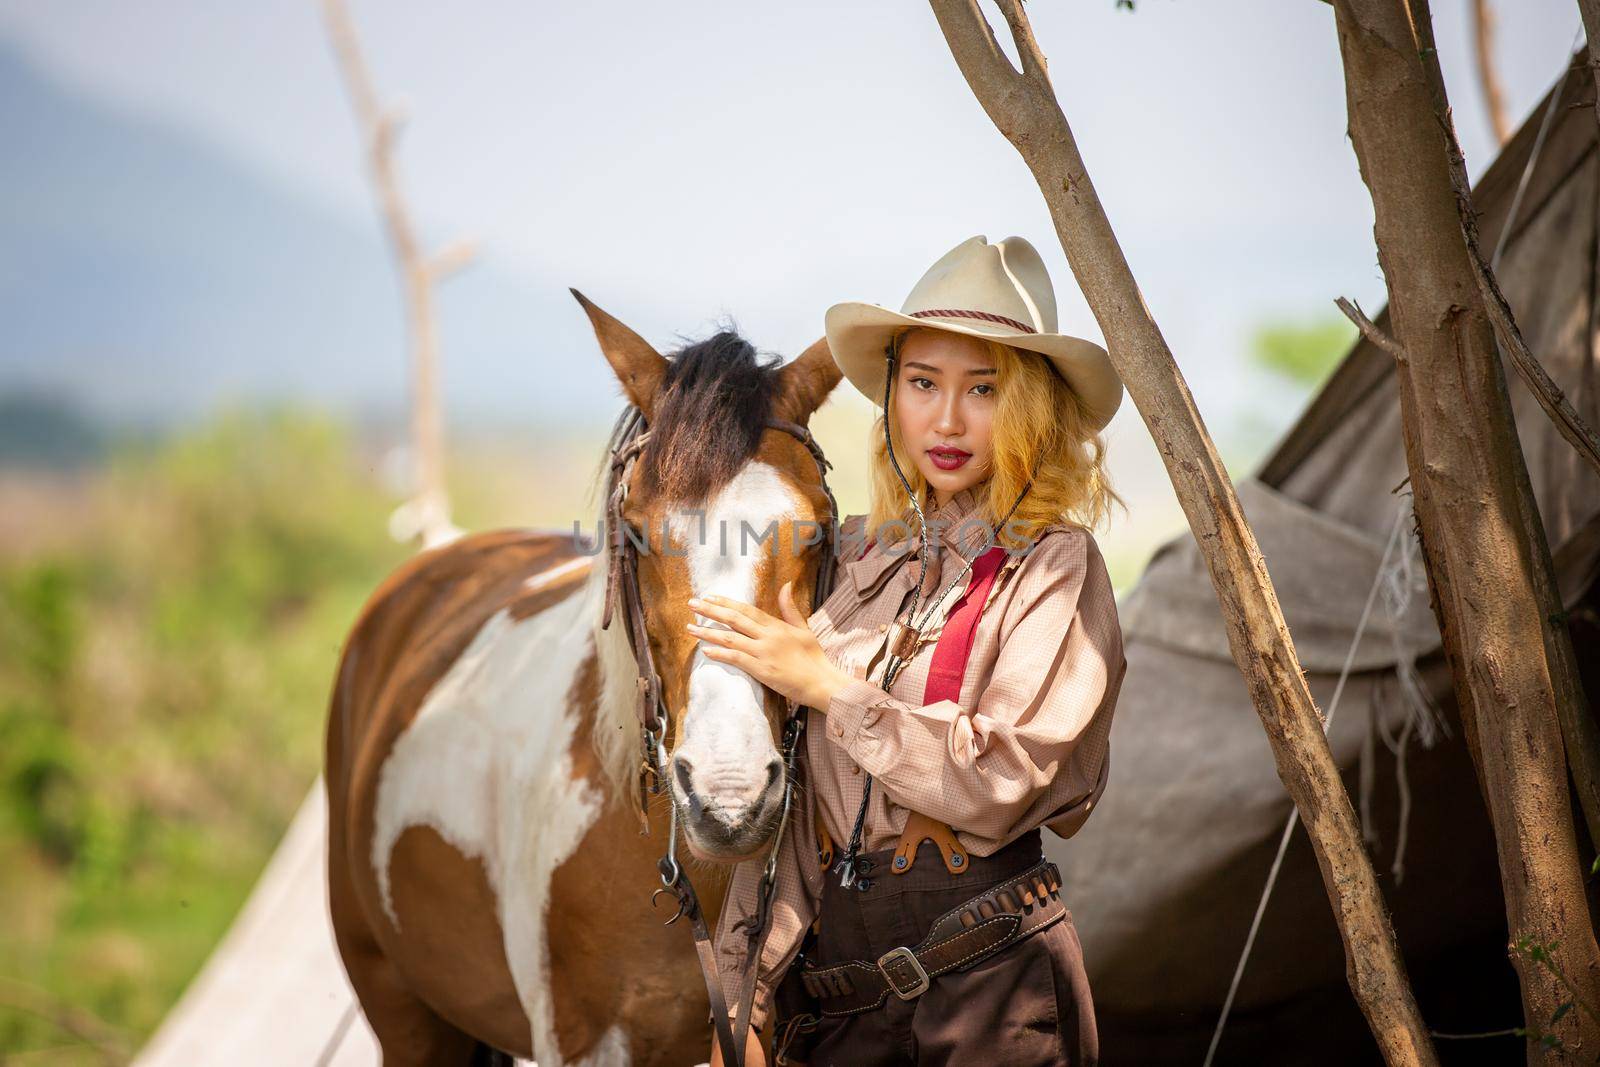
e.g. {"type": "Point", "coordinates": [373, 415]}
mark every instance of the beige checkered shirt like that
{"type": "Point", "coordinates": [1026, 745]}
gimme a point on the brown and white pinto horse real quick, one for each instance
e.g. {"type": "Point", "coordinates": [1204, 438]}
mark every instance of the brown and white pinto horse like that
{"type": "Point", "coordinates": [487, 876]}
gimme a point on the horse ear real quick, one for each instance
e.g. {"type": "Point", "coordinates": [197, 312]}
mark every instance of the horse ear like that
{"type": "Point", "coordinates": [640, 368]}
{"type": "Point", "coordinates": [806, 382]}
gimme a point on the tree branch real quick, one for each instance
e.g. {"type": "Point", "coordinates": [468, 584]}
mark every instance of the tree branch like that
{"type": "Point", "coordinates": [1493, 99]}
{"type": "Point", "coordinates": [427, 514]}
{"type": "Point", "coordinates": [1369, 329]}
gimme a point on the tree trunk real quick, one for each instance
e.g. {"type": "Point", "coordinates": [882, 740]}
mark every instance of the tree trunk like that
{"type": "Point", "coordinates": [1580, 735]}
{"type": "Point", "coordinates": [1024, 108]}
{"type": "Point", "coordinates": [1488, 563]}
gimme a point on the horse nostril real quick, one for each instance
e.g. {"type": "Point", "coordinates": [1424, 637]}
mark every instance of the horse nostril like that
{"type": "Point", "coordinates": [774, 770]}
{"type": "Point", "coordinates": [680, 768]}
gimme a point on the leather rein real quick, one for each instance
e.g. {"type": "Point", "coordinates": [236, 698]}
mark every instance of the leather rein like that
{"type": "Point", "coordinates": [622, 577]}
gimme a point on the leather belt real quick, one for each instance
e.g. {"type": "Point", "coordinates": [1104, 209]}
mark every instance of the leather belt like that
{"type": "Point", "coordinates": [974, 930]}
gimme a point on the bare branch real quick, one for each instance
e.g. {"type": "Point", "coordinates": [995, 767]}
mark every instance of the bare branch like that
{"type": "Point", "coordinates": [427, 515]}
{"type": "Point", "coordinates": [1034, 64]}
{"type": "Point", "coordinates": [451, 259]}
{"type": "Point", "coordinates": [1369, 329]}
{"type": "Point", "coordinates": [980, 54]}
{"type": "Point", "coordinates": [1493, 98]}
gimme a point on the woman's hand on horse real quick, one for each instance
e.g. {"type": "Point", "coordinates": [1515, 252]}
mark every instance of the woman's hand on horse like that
{"type": "Point", "coordinates": [782, 654]}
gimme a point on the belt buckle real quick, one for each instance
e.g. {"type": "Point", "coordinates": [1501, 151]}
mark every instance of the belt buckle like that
{"type": "Point", "coordinates": [918, 987]}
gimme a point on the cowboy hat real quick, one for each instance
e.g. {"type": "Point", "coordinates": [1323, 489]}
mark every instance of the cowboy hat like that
{"type": "Point", "coordinates": [1001, 292]}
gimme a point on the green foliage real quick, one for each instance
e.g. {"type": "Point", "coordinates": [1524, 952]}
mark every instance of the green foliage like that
{"type": "Point", "coordinates": [1303, 351]}
{"type": "Point", "coordinates": [163, 682]}
{"type": "Point", "coordinates": [1543, 954]}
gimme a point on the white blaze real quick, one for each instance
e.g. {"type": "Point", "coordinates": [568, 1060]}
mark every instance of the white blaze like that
{"type": "Point", "coordinates": [725, 736]}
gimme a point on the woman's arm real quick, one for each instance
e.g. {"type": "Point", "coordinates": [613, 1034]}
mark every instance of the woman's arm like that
{"type": "Point", "coordinates": [1045, 711]}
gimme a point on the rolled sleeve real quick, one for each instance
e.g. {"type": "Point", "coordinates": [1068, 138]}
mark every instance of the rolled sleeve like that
{"type": "Point", "coordinates": [854, 704]}
{"type": "Point", "coordinates": [1044, 711]}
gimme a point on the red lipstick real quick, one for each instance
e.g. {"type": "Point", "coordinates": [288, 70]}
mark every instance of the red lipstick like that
{"type": "Point", "coordinates": [948, 459]}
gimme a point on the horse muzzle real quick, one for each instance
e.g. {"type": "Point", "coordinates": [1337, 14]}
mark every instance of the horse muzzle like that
{"type": "Point", "coordinates": [728, 814]}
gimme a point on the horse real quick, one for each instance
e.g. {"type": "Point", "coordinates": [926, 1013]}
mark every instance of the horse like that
{"type": "Point", "coordinates": [488, 860]}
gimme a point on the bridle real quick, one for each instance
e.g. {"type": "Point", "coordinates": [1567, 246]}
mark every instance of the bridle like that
{"type": "Point", "coordinates": [622, 575]}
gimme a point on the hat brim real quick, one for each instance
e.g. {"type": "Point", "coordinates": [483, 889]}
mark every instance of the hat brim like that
{"type": "Point", "coordinates": [858, 335]}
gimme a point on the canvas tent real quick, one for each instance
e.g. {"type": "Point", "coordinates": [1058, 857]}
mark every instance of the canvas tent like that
{"type": "Point", "coordinates": [1164, 879]}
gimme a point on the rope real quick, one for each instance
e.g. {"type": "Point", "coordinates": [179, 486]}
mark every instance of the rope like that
{"type": "Point", "coordinates": [1294, 812]}
{"type": "Point", "coordinates": [335, 1039]}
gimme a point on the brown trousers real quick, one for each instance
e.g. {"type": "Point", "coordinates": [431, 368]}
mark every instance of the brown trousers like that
{"type": "Point", "coordinates": [1027, 1005]}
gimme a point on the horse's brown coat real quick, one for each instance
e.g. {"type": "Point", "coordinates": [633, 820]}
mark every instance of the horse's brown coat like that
{"type": "Point", "coordinates": [621, 986]}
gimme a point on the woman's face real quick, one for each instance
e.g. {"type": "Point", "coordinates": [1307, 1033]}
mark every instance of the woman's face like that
{"type": "Point", "coordinates": [944, 401]}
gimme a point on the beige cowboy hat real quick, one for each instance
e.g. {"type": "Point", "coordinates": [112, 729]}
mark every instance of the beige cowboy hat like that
{"type": "Point", "coordinates": [998, 291]}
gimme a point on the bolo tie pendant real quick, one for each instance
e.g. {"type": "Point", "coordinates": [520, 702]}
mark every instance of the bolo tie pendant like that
{"type": "Point", "coordinates": [903, 639]}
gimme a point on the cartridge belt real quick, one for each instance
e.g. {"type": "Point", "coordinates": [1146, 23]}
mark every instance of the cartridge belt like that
{"type": "Point", "coordinates": [972, 931]}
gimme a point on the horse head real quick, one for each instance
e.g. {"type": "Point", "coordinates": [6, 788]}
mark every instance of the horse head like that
{"type": "Point", "coordinates": [720, 501]}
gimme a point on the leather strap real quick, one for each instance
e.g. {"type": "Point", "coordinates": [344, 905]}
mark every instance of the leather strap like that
{"type": "Point", "coordinates": [971, 931]}
{"type": "Point", "coordinates": [824, 844]}
{"type": "Point", "coordinates": [622, 582]}
{"type": "Point", "coordinates": [920, 827]}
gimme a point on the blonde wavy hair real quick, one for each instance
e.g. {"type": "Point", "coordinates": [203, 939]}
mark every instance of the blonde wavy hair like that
{"type": "Point", "coordinates": [1039, 422]}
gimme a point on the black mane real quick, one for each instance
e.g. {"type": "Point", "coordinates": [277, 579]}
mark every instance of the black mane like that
{"type": "Point", "coordinates": [709, 417]}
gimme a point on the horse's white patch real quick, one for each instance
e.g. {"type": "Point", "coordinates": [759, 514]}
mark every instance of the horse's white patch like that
{"type": "Point", "coordinates": [555, 574]}
{"type": "Point", "coordinates": [725, 732]}
{"type": "Point", "coordinates": [610, 1051]}
{"type": "Point", "coordinates": [486, 764]}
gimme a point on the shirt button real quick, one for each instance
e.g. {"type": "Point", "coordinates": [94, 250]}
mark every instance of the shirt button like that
{"type": "Point", "coordinates": [854, 769]}
{"type": "Point", "coordinates": [884, 628]}
{"type": "Point", "coordinates": [838, 731]}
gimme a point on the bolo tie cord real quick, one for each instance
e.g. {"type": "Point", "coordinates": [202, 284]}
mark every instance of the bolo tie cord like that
{"type": "Point", "coordinates": [849, 866]}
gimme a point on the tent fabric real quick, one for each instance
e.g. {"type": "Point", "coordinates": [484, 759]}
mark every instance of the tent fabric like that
{"type": "Point", "coordinates": [1322, 570]}
{"type": "Point", "coordinates": [1164, 880]}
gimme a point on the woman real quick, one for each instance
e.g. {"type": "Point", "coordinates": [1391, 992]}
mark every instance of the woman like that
{"type": "Point", "coordinates": [962, 678]}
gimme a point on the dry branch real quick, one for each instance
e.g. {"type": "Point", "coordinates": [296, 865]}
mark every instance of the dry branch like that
{"type": "Point", "coordinates": [427, 514]}
{"type": "Point", "coordinates": [1494, 99]}
{"type": "Point", "coordinates": [1024, 108]}
{"type": "Point", "coordinates": [1369, 329]}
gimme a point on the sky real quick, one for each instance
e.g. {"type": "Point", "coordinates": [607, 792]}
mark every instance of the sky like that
{"type": "Point", "coordinates": [688, 163]}
{"type": "Point", "coordinates": [762, 160]}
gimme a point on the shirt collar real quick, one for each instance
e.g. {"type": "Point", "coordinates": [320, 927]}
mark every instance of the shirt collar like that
{"type": "Point", "coordinates": [961, 528]}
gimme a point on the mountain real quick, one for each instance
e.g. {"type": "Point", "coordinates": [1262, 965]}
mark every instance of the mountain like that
{"type": "Point", "coordinates": [149, 276]}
